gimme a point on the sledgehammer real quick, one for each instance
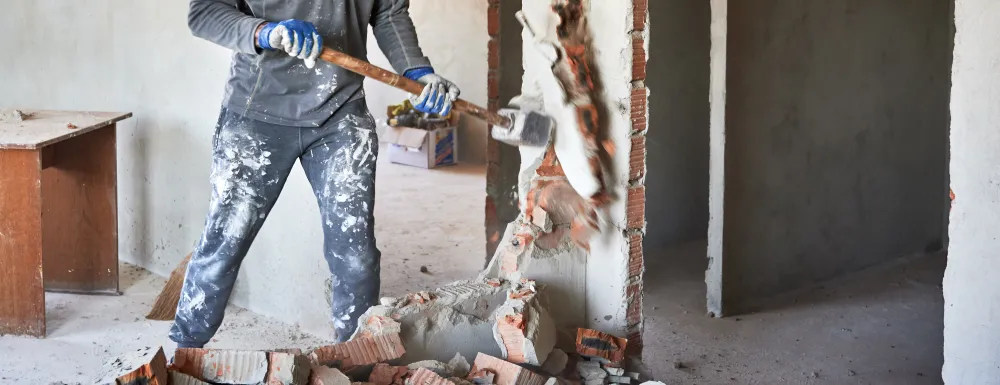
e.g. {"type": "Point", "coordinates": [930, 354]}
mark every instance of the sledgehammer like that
{"type": "Point", "coordinates": [517, 128]}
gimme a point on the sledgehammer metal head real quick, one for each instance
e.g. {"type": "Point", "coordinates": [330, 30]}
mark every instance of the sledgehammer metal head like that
{"type": "Point", "coordinates": [527, 128]}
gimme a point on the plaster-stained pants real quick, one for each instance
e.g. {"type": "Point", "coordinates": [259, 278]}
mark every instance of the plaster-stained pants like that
{"type": "Point", "coordinates": [252, 160]}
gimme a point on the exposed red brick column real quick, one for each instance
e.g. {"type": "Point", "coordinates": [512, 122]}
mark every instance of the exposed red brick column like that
{"type": "Point", "coordinates": [636, 198]}
{"type": "Point", "coordinates": [494, 227]}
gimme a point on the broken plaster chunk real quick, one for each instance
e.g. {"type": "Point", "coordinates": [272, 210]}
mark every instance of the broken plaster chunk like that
{"type": "Point", "coordinates": [222, 366]}
{"type": "Point", "coordinates": [14, 116]}
{"type": "Point", "coordinates": [523, 329]}
{"type": "Point", "coordinates": [360, 351]}
{"type": "Point", "coordinates": [620, 379]}
{"type": "Point", "coordinates": [506, 373]}
{"type": "Point", "coordinates": [324, 375]}
{"type": "Point", "coordinates": [385, 374]}
{"type": "Point", "coordinates": [460, 366]}
{"type": "Point", "coordinates": [378, 326]}
{"type": "Point", "coordinates": [144, 365]}
{"type": "Point", "coordinates": [591, 373]}
{"type": "Point", "coordinates": [596, 344]}
{"type": "Point", "coordinates": [556, 362]}
{"type": "Point", "coordinates": [287, 369]}
{"type": "Point", "coordinates": [388, 301]}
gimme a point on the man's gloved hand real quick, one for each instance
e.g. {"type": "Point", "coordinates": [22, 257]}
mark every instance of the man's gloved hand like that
{"type": "Point", "coordinates": [438, 94]}
{"type": "Point", "coordinates": [296, 37]}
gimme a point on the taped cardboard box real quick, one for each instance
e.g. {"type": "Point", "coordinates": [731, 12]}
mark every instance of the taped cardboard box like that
{"type": "Point", "coordinates": [422, 148]}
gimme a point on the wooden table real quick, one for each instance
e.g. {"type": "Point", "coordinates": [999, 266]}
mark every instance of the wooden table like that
{"type": "Point", "coordinates": [58, 212]}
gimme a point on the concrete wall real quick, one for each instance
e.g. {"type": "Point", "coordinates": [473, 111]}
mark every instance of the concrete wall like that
{"type": "Point", "coordinates": [138, 56]}
{"type": "Point", "coordinates": [836, 130]}
{"type": "Point", "coordinates": [971, 293]}
{"type": "Point", "coordinates": [677, 142]}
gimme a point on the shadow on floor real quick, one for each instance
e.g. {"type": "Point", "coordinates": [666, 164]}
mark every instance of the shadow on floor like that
{"type": "Point", "coordinates": [880, 326]}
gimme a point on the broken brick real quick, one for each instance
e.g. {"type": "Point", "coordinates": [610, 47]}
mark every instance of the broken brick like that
{"type": "Point", "coordinates": [323, 375]}
{"type": "Point", "coordinates": [178, 378]}
{"type": "Point", "coordinates": [523, 327]}
{"type": "Point", "coordinates": [360, 351]}
{"type": "Point", "coordinates": [379, 325]}
{"type": "Point", "coordinates": [222, 366]}
{"type": "Point", "coordinates": [597, 344]}
{"type": "Point", "coordinates": [143, 366]}
{"type": "Point", "coordinates": [505, 373]}
{"type": "Point", "coordinates": [287, 369]}
{"type": "Point", "coordinates": [385, 374]}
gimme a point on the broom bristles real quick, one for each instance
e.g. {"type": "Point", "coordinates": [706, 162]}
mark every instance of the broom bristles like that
{"type": "Point", "coordinates": [165, 306]}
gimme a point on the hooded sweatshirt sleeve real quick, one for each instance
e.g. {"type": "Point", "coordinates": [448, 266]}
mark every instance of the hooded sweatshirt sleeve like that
{"type": "Point", "coordinates": [221, 22]}
{"type": "Point", "coordinates": [396, 36]}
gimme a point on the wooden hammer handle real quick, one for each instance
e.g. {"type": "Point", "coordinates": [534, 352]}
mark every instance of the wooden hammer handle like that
{"type": "Point", "coordinates": [370, 70]}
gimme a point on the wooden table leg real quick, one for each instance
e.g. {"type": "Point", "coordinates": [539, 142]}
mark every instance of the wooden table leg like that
{"type": "Point", "coordinates": [80, 214]}
{"type": "Point", "coordinates": [22, 297]}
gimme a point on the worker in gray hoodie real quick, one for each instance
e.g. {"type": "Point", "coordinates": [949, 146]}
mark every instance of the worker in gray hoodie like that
{"type": "Point", "coordinates": [280, 106]}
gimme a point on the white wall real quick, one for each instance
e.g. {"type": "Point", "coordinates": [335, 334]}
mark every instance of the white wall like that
{"type": "Point", "coordinates": [139, 56]}
{"type": "Point", "coordinates": [971, 290]}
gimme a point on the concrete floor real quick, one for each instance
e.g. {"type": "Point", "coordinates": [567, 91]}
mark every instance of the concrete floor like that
{"type": "Point", "coordinates": [881, 326]}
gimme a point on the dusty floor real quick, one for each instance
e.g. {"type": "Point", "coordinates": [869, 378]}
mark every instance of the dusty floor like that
{"type": "Point", "coordinates": [882, 326]}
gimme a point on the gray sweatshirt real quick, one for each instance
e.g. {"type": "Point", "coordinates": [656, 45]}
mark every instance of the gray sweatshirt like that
{"type": "Point", "coordinates": [274, 87]}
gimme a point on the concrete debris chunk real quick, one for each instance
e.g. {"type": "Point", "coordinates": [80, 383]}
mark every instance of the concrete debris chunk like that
{"type": "Point", "coordinates": [556, 362]}
{"type": "Point", "coordinates": [523, 329]}
{"type": "Point", "coordinates": [441, 368]}
{"type": "Point", "coordinates": [424, 376]}
{"type": "Point", "coordinates": [620, 379]}
{"type": "Point", "coordinates": [360, 351]}
{"type": "Point", "coordinates": [506, 373]}
{"type": "Point", "coordinates": [459, 319]}
{"type": "Point", "coordinates": [287, 369]}
{"type": "Point", "coordinates": [142, 366]}
{"type": "Point", "coordinates": [596, 344]}
{"type": "Point", "coordinates": [324, 375]}
{"type": "Point", "coordinates": [379, 326]}
{"type": "Point", "coordinates": [178, 378]}
{"type": "Point", "coordinates": [460, 366]}
{"type": "Point", "coordinates": [222, 366]}
{"type": "Point", "coordinates": [14, 116]}
{"type": "Point", "coordinates": [614, 371]}
{"type": "Point", "coordinates": [385, 374]}
{"type": "Point", "coordinates": [591, 373]}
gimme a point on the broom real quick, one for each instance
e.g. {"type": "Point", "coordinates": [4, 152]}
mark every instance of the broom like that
{"type": "Point", "coordinates": [165, 307]}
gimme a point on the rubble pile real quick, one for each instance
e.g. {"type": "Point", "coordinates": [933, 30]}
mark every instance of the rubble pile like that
{"type": "Point", "coordinates": [420, 339]}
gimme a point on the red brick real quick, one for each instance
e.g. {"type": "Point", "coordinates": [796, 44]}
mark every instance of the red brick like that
{"type": "Point", "coordinates": [493, 20]}
{"type": "Point", "coordinates": [384, 374]}
{"type": "Point", "coordinates": [493, 54]}
{"type": "Point", "coordinates": [637, 158]}
{"type": "Point", "coordinates": [636, 264]}
{"type": "Point", "coordinates": [638, 109]}
{"type": "Point", "coordinates": [144, 366]}
{"type": "Point", "coordinates": [639, 10]}
{"type": "Point", "coordinates": [634, 344]}
{"type": "Point", "coordinates": [594, 343]}
{"type": "Point", "coordinates": [638, 58]}
{"type": "Point", "coordinates": [506, 373]}
{"type": "Point", "coordinates": [635, 211]}
{"type": "Point", "coordinates": [493, 84]}
{"type": "Point", "coordinates": [222, 366]}
{"type": "Point", "coordinates": [360, 351]}
{"type": "Point", "coordinates": [287, 369]}
{"type": "Point", "coordinates": [424, 376]}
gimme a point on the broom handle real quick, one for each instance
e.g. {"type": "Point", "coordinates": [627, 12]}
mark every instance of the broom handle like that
{"type": "Point", "coordinates": [370, 70]}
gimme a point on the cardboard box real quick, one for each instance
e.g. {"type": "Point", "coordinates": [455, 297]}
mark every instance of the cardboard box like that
{"type": "Point", "coordinates": [423, 148]}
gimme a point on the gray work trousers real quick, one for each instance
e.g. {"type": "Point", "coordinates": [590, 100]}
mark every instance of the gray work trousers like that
{"type": "Point", "coordinates": [252, 160]}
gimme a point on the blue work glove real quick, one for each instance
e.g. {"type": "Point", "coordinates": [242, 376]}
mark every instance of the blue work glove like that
{"type": "Point", "coordinates": [438, 94]}
{"type": "Point", "coordinates": [296, 37]}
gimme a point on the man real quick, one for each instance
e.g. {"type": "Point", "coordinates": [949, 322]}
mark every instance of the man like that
{"type": "Point", "coordinates": [281, 105]}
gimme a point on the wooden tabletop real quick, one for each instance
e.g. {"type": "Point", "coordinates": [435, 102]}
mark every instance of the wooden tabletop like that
{"type": "Point", "coordinates": [44, 128]}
